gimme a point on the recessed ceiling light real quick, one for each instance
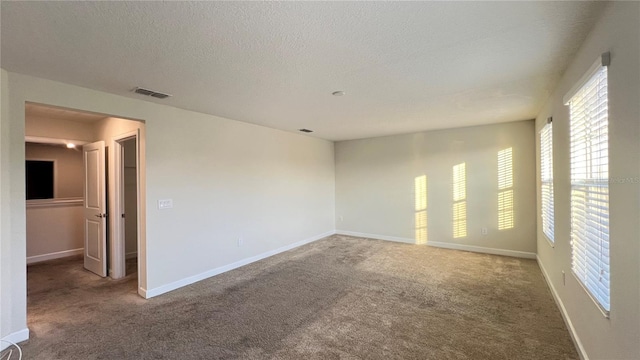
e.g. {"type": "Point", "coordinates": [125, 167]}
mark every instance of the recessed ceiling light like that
{"type": "Point", "coordinates": [71, 146]}
{"type": "Point", "coordinates": [338, 93]}
{"type": "Point", "coordinates": [305, 130]}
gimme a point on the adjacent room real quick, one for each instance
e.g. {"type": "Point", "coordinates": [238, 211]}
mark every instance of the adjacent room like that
{"type": "Point", "coordinates": [287, 180]}
{"type": "Point", "coordinates": [59, 144]}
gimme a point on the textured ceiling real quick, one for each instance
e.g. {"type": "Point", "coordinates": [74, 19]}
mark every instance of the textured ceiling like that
{"type": "Point", "coordinates": [405, 66]}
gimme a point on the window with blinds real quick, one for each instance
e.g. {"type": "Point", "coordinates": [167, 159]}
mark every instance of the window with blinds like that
{"type": "Point", "coordinates": [546, 179]}
{"type": "Point", "coordinates": [589, 185]}
{"type": "Point", "coordinates": [505, 189]}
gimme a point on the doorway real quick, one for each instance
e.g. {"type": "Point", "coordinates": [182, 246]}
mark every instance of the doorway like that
{"type": "Point", "coordinates": [130, 215]}
{"type": "Point", "coordinates": [123, 202]}
{"type": "Point", "coordinates": [125, 226]}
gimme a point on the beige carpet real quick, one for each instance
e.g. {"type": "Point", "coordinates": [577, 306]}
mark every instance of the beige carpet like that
{"type": "Point", "coordinates": [338, 298]}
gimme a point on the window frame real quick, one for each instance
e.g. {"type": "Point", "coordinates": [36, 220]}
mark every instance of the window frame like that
{"type": "Point", "coordinates": [590, 179]}
{"type": "Point", "coordinates": [547, 130]}
{"type": "Point", "coordinates": [506, 191]}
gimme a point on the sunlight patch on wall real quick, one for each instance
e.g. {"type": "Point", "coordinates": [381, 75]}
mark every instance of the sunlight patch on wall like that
{"type": "Point", "coordinates": [420, 190]}
{"type": "Point", "coordinates": [460, 219]}
{"type": "Point", "coordinates": [421, 227]}
{"type": "Point", "coordinates": [459, 182]}
{"type": "Point", "coordinates": [505, 210]}
{"type": "Point", "coordinates": [505, 168]}
{"type": "Point", "coordinates": [459, 201]}
{"type": "Point", "coordinates": [505, 189]}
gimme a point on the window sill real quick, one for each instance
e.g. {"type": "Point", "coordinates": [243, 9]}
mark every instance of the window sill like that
{"type": "Point", "coordinates": [604, 312]}
{"type": "Point", "coordinates": [549, 241]}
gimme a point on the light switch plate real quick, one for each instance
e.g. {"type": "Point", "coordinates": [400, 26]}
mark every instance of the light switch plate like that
{"type": "Point", "coordinates": [165, 204]}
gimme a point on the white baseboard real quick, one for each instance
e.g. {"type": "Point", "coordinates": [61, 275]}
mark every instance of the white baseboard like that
{"type": "Point", "coordinates": [375, 236]}
{"type": "Point", "coordinates": [143, 292]}
{"type": "Point", "coordinates": [478, 249]}
{"type": "Point", "coordinates": [55, 255]}
{"type": "Point", "coordinates": [131, 255]}
{"type": "Point", "coordinates": [484, 250]}
{"type": "Point", "coordinates": [149, 293]}
{"type": "Point", "coordinates": [574, 336]}
{"type": "Point", "coordinates": [16, 337]}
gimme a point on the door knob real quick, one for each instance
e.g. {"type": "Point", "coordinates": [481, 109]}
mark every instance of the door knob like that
{"type": "Point", "coordinates": [101, 215]}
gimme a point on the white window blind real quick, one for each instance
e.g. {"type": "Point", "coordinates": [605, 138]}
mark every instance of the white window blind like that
{"type": "Point", "coordinates": [546, 179]}
{"type": "Point", "coordinates": [505, 189]}
{"type": "Point", "coordinates": [590, 187]}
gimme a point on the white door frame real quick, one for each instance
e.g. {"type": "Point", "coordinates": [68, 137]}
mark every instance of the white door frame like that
{"type": "Point", "coordinates": [116, 174]}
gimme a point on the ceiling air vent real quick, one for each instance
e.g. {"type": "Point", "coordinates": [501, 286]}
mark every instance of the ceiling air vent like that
{"type": "Point", "coordinates": [305, 130]}
{"type": "Point", "coordinates": [152, 93]}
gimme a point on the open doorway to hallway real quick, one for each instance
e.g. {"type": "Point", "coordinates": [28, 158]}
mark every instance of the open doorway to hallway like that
{"type": "Point", "coordinates": [89, 167]}
{"type": "Point", "coordinates": [130, 199]}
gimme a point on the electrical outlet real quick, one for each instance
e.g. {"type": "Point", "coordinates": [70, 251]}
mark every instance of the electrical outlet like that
{"type": "Point", "coordinates": [240, 241]}
{"type": "Point", "coordinates": [341, 218]}
{"type": "Point", "coordinates": [165, 204]}
{"type": "Point", "coordinates": [484, 231]}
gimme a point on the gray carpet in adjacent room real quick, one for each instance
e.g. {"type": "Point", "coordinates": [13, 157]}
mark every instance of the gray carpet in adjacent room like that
{"type": "Point", "coordinates": [337, 298]}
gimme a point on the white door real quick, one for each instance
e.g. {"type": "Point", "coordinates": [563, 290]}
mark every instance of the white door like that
{"type": "Point", "coordinates": [95, 214]}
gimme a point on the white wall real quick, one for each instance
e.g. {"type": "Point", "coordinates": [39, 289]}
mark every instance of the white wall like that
{"type": "Point", "coordinates": [109, 127]}
{"type": "Point", "coordinates": [54, 230]}
{"type": "Point", "coordinates": [618, 31]}
{"type": "Point", "coordinates": [375, 192]}
{"type": "Point", "coordinates": [5, 260]}
{"type": "Point", "coordinates": [59, 129]}
{"type": "Point", "coordinates": [13, 279]}
{"type": "Point", "coordinates": [227, 179]}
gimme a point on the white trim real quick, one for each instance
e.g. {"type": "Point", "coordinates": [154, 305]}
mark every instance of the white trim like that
{"type": "Point", "coordinates": [603, 60]}
{"type": "Point", "coordinates": [53, 141]}
{"type": "Point", "coordinates": [572, 331]}
{"type": "Point", "coordinates": [49, 203]}
{"type": "Point", "coordinates": [605, 313]}
{"type": "Point", "coordinates": [375, 236]}
{"type": "Point", "coordinates": [551, 243]}
{"type": "Point", "coordinates": [213, 272]}
{"type": "Point", "coordinates": [484, 250]}
{"type": "Point", "coordinates": [116, 164]}
{"type": "Point", "coordinates": [55, 255]}
{"type": "Point", "coordinates": [477, 249]}
{"type": "Point", "coordinates": [16, 337]}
